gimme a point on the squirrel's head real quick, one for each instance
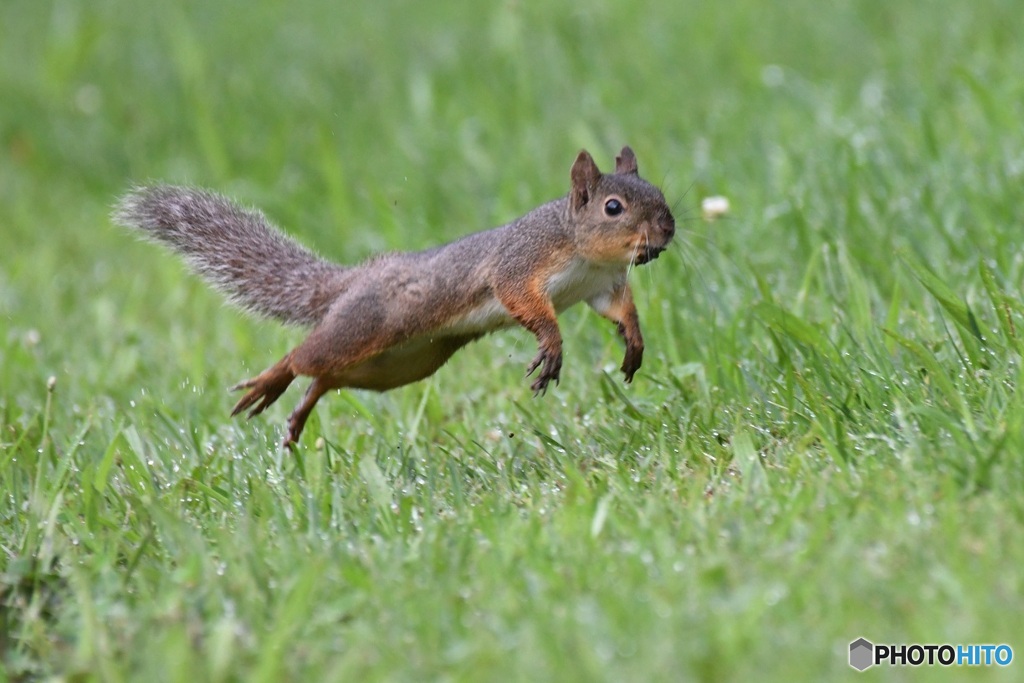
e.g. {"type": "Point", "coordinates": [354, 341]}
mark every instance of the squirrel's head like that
{"type": "Point", "coordinates": [619, 217]}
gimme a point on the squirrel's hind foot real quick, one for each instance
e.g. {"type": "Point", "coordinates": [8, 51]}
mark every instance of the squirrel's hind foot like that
{"type": "Point", "coordinates": [264, 389]}
{"type": "Point", "coordinates": [268, 386]}
{"type": "Point", "coordinates": [297, 420]}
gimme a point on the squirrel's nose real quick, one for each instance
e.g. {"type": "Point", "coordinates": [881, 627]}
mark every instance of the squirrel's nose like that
{"type": "Point", "coordinates": [669, 228]}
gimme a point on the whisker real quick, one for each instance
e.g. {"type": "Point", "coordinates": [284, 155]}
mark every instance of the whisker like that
{"type": "Point", "coordinates": [632, 258]}
{"type": "Point", "coordinates": [679, 201]}
{"type": "Point", "coordinates": [717, 273]}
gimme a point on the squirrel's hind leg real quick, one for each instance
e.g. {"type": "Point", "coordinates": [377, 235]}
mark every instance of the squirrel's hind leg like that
{"type": "Point", "coordinates": [265, 388]}
{"type": "Point", "coordinates": [317, 388]}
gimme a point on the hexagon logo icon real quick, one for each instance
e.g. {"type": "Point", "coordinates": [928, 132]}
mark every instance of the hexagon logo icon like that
{"type": "Point", "coordinates": [861, 651]}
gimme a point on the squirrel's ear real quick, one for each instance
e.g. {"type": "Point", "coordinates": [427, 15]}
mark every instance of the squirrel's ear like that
{"type": "Point", "coordinates": [585, 175]}
{"type": "Point", "coordinates": [626, 162]}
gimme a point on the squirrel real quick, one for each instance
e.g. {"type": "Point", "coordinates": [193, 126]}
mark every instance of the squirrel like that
{"type": "Point", "coordinates": [398, 317]}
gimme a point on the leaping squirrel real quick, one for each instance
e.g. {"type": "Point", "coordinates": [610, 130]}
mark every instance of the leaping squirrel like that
{"type": "Point", "coordinates": [398, 317]}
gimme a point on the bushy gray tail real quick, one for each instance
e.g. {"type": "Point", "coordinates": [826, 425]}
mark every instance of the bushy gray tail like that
{"type": "Point", "coordinates": [238, 251]}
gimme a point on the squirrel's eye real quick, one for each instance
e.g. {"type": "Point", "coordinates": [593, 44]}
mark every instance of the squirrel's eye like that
{"type": "Point", "coordinates": [613, 207]}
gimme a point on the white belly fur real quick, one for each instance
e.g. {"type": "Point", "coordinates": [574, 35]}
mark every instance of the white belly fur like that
{"type": "Point", "coordinates": [581, 281]}
{"type": "Point", "coordinates": [488, 316]}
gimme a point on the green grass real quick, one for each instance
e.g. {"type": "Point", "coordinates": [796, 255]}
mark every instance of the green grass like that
{"type": "Point", "coordinates": [824, 442]}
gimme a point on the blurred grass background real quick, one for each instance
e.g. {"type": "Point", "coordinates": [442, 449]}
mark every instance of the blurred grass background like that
{"type": "Point", "coordinates": [824, 441]}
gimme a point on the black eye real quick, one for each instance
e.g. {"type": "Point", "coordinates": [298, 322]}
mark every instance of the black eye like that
{"type": "Point", "coordinates": [613, 207]}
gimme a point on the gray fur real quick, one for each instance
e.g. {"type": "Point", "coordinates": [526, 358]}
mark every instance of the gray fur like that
{"type": "Point", "coordinates": [238, 251]}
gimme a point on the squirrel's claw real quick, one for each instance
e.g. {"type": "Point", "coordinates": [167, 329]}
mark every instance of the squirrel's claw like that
{"type": "Point", "coordinates": [290, 441]}
{"type": "Point", "coordinates": [540, 386]}
{"type": "Point", "coordinates": [552, 363]}
{"type": "Point", "coordinates": [631, 363]}
{"type": "Point", "coordinates": [264, 389]}
{"type": "Point", "coordinates": [244, 402]}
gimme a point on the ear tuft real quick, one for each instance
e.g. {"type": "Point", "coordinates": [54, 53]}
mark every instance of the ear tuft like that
{"type": "Point", "coordinates": [584, 175]}
{"type": "Point", "coordinates": [625, 163]}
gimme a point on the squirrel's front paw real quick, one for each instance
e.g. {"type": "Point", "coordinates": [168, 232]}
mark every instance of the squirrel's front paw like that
{"type": "Point", "coordinates": [552, 361]}
{"type": "Point", "coordinates": [631, 363]}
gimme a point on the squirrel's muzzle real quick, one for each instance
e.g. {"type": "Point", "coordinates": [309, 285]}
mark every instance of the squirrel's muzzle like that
{"type": "Point", "coordinates": [658, 236]}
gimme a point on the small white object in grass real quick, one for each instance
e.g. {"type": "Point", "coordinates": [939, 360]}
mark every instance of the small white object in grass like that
{"type": "Point", "coordinates": [714, 207]}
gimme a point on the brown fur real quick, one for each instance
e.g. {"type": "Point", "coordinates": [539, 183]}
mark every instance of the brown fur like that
{"type": "Point", "coordinates": [397, 318]}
